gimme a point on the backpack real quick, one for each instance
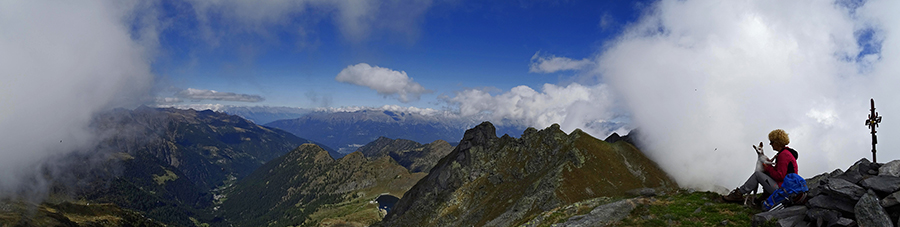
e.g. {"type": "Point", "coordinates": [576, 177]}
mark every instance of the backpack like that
{"type": "Point", "coordinates": [792, 191]}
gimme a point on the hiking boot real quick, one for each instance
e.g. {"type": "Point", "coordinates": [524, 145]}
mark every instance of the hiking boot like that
{"type": "Point", "coordinates": [734, 197]}
{"type": "Point", "coordinates": [761, 199]}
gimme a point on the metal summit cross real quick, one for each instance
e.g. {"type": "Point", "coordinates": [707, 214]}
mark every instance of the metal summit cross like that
{"type": "Point", "coordinates": [872, 122]}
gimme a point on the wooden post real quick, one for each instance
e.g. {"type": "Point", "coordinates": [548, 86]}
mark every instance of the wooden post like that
{"type": "Point", "coordinates": [872, 122]}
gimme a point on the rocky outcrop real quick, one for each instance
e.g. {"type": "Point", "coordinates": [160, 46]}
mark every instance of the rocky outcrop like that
{"type": "Point", "coordinates": [503, 181]}
{"type": "Point", "coordinates": [603, 215]}
{"type": "Point", "coordinates": [632, 137]}
{"type": "Point", "coordinates": [866, 194]}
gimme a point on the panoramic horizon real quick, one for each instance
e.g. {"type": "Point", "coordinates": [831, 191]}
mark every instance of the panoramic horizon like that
{"type": "Point", "coordinates": [702, 80]}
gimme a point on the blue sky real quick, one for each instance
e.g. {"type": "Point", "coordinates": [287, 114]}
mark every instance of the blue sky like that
{"type": "Point", "coordinates": [450, 47]}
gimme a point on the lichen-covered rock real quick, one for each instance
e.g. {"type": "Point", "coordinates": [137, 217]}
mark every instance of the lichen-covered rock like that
{"type": "Point", "coordinates": [870, 213]}
{"type": "Point", "coordinates": [891, 168]}
{"type": "Point", "coordinates": [491, 181]}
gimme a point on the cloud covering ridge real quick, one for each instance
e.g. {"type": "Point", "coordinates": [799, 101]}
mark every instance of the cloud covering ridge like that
{"type": "Point", "coordinates": [60, 64]}
{"type": "Point", "coordinates": [201, 94]}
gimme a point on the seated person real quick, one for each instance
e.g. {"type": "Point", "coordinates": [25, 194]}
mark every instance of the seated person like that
{"type": "Point", "coordinates": [772, 176]}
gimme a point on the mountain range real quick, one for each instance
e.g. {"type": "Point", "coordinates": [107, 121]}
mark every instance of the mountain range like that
{"type": "Point", "coordinates": [171, 164]}
{"type": "Point", "coordinates": [195, 168]}
{"type": "Point", "coordinates": [347, 131]}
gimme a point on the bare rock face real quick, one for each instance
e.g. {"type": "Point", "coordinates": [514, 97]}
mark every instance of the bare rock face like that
{"type": "Point", "coordinates": [414, 156]}
{"type": "Point", "coordinates": [603, 215]}
{"type": "Point", "coordinates": [503, 181]}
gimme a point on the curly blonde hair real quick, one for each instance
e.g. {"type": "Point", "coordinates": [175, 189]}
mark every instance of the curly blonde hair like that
{"type": "Point", "coordinates": [779, 137]}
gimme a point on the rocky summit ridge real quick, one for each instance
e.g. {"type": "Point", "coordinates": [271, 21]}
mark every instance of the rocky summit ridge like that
{"type": "Point", "coordinates": [414, 156]}
{"type": "Point", "coordinates": [503, 181]}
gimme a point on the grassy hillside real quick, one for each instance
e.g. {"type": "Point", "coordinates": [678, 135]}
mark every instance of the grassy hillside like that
{"type": "Point", "coordinates": [307, 187]}
{"type": "Point", "coordinates": [70, 214]}
{"type": "Point", "coordinates": [680, 208]}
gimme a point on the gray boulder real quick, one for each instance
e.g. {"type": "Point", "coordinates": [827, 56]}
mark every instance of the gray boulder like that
{"type": "Point", "coordinates": [832, 203]}
{"type": "Point", "coordinates": [850, 176]}
{"type": "Point", "coordinates": [891, 200]}
{"type": "Point", "coordinates": [791, 221]}
{"type": "Point", "coordinates": [822, 178]}
{"type": "Point", "coordinates": [645, 192]}
{"type": "Point", "coordinates": [844, 188]}
{"type": "Point", "coordinates": [845, 222]}
{"type": "Point", "coordinates": [823, 217]}
{"type": "Point", "coordinates": [859, 171]}
{"type": "Point", "coordinates": [870, 213]}
{"type": "Point", "coordinates": [891, 168]}
{"type": "Point", "coordinates": [788, 212]}
{"type": "Point", "coordinates": [884, 184]}
{"type": "Point", "coordinates": [603, 215]}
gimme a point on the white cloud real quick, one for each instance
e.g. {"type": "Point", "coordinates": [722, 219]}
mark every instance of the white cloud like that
{"type": "Point", "coordinates": [200, 94]}
{"type": "Point", "coordinates": [573, 106]}
{"type": "Point", "coordinates": [705, 79]}
{"type": "Point", "coordinates": [61, 63]}
{"type": "Point", "coordinates": [385, 81]}
{"type": "Point", "coordinates": [551, 64]}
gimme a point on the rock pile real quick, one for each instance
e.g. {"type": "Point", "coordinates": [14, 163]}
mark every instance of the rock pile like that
{"type": "Point", "coordinates": [867, 194]}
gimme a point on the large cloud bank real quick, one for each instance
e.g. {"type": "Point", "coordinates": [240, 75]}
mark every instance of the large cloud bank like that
{"type": "Point", "coordinates": [60, 63]}
{"type": "Point", "coordinates": [706, 79]}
